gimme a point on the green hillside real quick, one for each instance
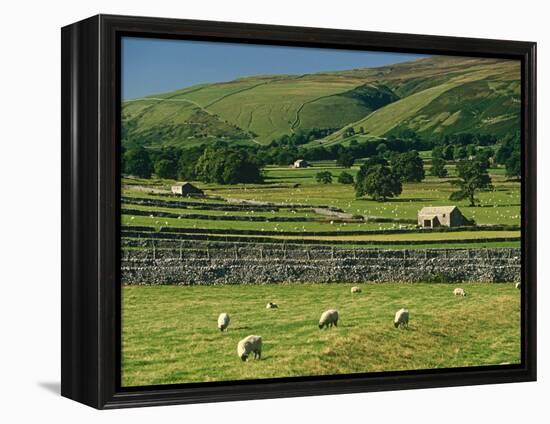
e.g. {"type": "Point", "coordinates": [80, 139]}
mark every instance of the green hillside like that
{"type": "Point", "coordinates": [438, 95]}
{"type": "Point", "coordinates": [481, 99]}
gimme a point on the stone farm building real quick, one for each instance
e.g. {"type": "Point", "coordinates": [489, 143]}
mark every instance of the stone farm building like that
{"type": "Point", "coordinates": [186, 189]}
{"type": "Point", "coordinates": [441, 216]}
{"type": "Point", "coordinates": [300, 163]}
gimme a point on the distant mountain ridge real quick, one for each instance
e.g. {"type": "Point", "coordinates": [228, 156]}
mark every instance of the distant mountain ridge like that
{"type": "Point", "coordinates": [432, 96]}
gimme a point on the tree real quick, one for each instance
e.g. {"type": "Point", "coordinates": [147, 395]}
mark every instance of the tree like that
{"type": "Point", "coordinates": [239, 167]}
{"type": "Point", "coordinates": [381, 149]}
{"type": "Point", "coordinates": [227, 166]}
{"type": "Point", "coordinates": [285, 157]}
{"type": "Point", "coordinates": [324, 177]}
{"type": "Point", "coordinates": [350, 131]}
{"type": "Point", "coordinates": [473, 176]}
{"type": "Point", "coordinates": [375, 160]}
{"type": "Point", "coordinates": [210, 165]}
{"type": "Point", "coordinates": [409, 167]}
{"type": "Point", "coordinates": [345, 159]}
{"type": "Point", "coordinates": [438, 152]}
{"type": "Point", "coordinates": [484, 155]}
{"type": "Point", "coordinates": [459, 153]}
{"type": "Point", "coordinates": [438, 167]}
{"type": "Point", "coordinates": [448, 152]}
{"type": "Point", "coordinates": [513, 165]}
{"type": "Point", "coordinates": [345, 178]}
{"type": "Point", "coordinates": [509, 144]}
{"type": "Point", "coordinates": [138, 162]}
{"type": "Point", "coordinates": [166, 168]}
{"type": "Point", "coordinates": [379, 182]}
{"type": "Point", "coordinates": [188, 161]}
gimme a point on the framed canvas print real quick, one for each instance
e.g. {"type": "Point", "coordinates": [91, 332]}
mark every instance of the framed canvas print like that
{"type": "Point", "coordinates": [255, 211]}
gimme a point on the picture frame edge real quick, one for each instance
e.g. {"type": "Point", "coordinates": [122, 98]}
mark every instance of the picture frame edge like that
{"type": "Point", "coordinates": [90, 291]}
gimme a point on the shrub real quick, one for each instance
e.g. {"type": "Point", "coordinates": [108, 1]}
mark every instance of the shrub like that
{"type": "Point", "coordinates": [345, 178]}
{"type": "Point", "coordinates": [324, 177]}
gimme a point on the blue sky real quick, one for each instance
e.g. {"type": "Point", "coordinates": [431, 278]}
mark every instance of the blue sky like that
{"type": "Point", "coordinates": [152, 66]}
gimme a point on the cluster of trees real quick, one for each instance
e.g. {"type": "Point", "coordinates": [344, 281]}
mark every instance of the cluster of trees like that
{"type": "Point", "coordinates": [223, 165]}
{"type": "Point", "coordinates": [284, 150]}
{"type": "Point", "coordinates": [389, 163]}
{"type": "Point", "coordinates": [218, 163]}
{"type": "Point", "coordinates": [381, 180]}
{"type": "Point", "coordinates": [325, 177]}
{"type": "Point", "coordinates": [507, 153]}
{"type": "Point", "coordinates": [440, 156]}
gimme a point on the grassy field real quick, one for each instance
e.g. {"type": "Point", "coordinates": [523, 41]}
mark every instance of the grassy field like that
{"type": "Point", "coordinates": [500, 206]}
{"type": "Point", "coordinates": [169, 333]}
{"type": "Point", "coordinates": [285, 185]}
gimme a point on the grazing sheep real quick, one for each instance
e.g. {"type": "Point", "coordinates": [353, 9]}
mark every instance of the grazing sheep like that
{"type": "Point", "coordinates": [459, 292]}
{"type": "Point", "coordinates": [401, 318]}
{"type": "Point", "coordinates": [356, 289]}
{"type": "Point", "coordinates": [329, 318]}
{"type": "Point", "coordinates": [518, 285]}
{"type": "Point", "coordinates": [223, 321]}
{"type": "Point", "coordinates": [248, 345]}
{"type": "Point", "coordinates": [271, 305]}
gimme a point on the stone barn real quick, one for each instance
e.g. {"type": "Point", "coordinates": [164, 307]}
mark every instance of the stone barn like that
{"type": "Point", "coordinates": [441, 216]}
{"type": "Point", "coordinates": [300, 163]}
{"type": "Point", "coordinates": [186, 189]}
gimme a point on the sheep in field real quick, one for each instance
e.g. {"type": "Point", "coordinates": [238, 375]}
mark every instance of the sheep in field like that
{"type": "Point", "coordinates": [401, 318]}
{"type": "Point", "coordinates": [223, 321]}
{"type": "Point", "coordinates": [329, 318]}
{"type": "Point", "coordinates": [271, 305]}
{"type": "Point", "coordinates": [356, 289]}
{"type": "Point", "coordinates": [459, 292]}
{"type": "Point", "coordinates": [518, 285]}
{"type": "Point", "coordinates": [248, 345]}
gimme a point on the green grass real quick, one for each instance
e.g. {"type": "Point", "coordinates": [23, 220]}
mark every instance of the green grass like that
{"type": "Point", "coordinates": [158, 222]}
{"type": "Point", "coordinates": [169, 333]}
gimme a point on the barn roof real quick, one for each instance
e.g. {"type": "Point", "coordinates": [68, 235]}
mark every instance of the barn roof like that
{"type": "Point", "coordinates": [183, 183]}
{"type": "Point", "coordinates": [436, 210]}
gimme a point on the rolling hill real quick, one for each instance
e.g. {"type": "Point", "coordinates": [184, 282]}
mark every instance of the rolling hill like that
{"type": "Point", "coordinates": [433, 96]}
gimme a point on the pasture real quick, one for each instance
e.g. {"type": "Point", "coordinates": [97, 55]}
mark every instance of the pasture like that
{"type": "Point", "coordinates": [169, 333]}
{"type": "Point", "coordinates": [287, 186]}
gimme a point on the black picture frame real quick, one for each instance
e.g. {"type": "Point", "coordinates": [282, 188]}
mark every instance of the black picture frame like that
{"type": "Point", "coordinates": [90, 288]}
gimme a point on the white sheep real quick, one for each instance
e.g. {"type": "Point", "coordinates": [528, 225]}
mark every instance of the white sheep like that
{"type": "Point", "coordinates": [518, 285]}
{"type": "Point", "coordinates": [356, 289]}
{"type": "Point", "coordinates": [271, 305]}
{"type": "Point", "coordinates": [329, 318]}
{"type": "Point", "coordinates": [248, 345]}
{"type": "Point", "coordinates": [401, 318]}
{"type": "Point", "coordinates": [459, 291]}
{"type": "Point", "coordinates": [223, 321]}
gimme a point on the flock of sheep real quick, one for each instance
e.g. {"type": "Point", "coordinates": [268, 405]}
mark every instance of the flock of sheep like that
{"type": "Point", "coordinates": [253, 344]}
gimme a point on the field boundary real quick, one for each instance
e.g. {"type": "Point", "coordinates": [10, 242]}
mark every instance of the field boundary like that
{"type": "Point", "coordinates": [254, 264]}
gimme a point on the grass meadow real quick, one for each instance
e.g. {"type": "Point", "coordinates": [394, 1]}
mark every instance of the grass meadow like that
{"type": "Point", "coordinates": [169, 333]}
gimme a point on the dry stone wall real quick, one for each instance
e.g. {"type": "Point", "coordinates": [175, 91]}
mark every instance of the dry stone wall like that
{"type": "Point", "coordinates": [256, 264]}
